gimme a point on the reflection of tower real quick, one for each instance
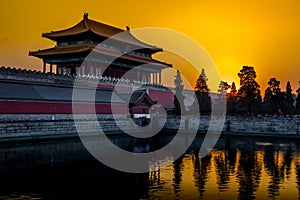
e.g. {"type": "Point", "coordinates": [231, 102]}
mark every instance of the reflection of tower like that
{"type": "Point", "coordinates": [201, 167]}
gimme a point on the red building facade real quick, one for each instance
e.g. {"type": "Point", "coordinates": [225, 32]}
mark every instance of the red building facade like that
{"type": "Point", "coordinates": [34, 92]}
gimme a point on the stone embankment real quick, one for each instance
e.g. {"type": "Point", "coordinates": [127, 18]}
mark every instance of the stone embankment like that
{"type": "Point", "coordinates": [27, 127]}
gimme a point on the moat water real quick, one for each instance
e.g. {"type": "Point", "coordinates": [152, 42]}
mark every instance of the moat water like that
{"type": "Point", "coordinates": [237, 168]}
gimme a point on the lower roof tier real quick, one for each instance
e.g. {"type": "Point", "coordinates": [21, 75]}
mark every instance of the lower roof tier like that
{"type": "Point", "coordinates": [79, 52]}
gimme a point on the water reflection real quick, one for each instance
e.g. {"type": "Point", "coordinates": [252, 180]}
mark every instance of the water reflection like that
{"type": "Point", "coordinates": [201, 169]}
{"type": "Point", "coordinates": [238, 168]}
{"type": "Point", "coordinates": [177, 168]}
{"type": "Point", "coordinates": [248, 173]}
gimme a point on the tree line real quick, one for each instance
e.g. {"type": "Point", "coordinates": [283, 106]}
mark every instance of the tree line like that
{"type": "Point", "coordinates": [247, 100]}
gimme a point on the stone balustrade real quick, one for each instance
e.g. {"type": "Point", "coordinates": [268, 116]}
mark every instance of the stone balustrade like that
{"type": "Point", "coordinates": [13, 74]}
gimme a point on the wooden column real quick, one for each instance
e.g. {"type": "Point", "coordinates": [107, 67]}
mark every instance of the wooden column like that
{"type": "Point", "coordinates": [159, 77]}
{"type": "Point", "coordinates": [153, 79]}
{"type": "Point", "coordinates": [44, 67]}
{"type": "Point", "coordinates": [50, 68]}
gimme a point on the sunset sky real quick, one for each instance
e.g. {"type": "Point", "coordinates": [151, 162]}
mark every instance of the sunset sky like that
{"type": "Point", "coordinates": [262, 33]}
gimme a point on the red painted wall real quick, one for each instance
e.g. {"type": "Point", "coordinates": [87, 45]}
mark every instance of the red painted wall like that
{"type": "Point", "coordinates": [165, 98]}
{"type": "Point", "coordinates": [15, 107]}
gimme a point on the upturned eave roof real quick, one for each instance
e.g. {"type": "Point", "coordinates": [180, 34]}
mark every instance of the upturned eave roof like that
{"type": "Point", "coordinates": [87, 48]}
{"type": "Point", "coordinates": [100, 29]}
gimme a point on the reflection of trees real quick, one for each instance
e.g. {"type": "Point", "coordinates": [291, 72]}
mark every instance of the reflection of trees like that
{"type": "Point", "coordinates": [154, 177]}
{"type": "Point", "coordinates": [201, 167]}
{"type": "Point", "coordinates": [231, 156]}
{"type": "Point", "coordinates": [297, 165]}
{"type": "Point", "coordinates": [222, 167]}
{"type": "Point", "coordinates": [225, 164]}
{"type": "Point", "coordinates": [178, 167]}
{"type": "Point", "coordinates": [287, 159]}
{"type": "Point", "coordinates": [278, 167]}
{"type": "Point", "coordinates": [249, 172]}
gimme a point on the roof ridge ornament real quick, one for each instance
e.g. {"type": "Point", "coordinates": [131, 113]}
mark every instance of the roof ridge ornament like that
{"type": "Point", "coordinates": [85, 19]}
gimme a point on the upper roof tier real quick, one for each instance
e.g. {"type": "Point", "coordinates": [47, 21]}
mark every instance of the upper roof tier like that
{"type": "Point", "coordinates": [99, 29]}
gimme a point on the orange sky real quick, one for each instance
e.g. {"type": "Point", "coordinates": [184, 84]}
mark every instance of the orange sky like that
{"type": "Point", "coordinates": [261, 33]}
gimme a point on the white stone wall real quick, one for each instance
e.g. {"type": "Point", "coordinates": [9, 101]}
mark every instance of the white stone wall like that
{"type": "Point", "coordinates": [40, 125]}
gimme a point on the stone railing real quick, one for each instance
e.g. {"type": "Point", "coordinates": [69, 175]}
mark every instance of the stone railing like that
{"type": "Point", "coordinates": [8, 73]}
{"type": "Point", "coordinates": [120, 81]}
{"type": "Point", "coordinates": [14, 74]}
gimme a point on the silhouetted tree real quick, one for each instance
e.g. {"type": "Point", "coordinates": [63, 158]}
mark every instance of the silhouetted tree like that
{"type": "Point", "coordinates": [233, 91]}
{"type": "Point", "coordinates": [277, 95]}
{"type": "Point", "coordinates": [289, 100]}
{"type": "Point", "coordinates": [298, 100]}
{"type": "Point", "coordinates": [232, 100]}
{"type": "Point", "coordinates": [249, 93]}
{"type": "Point", "coordinates": [274, 86]}
{"type": "Point", "coordinates": [223, 87]}
{"type": "Point", "coordinates": [268, 106]}
{"type": "Point", "coordinates": [178, 98]}
{"type": "Point", "coordinates": [202, 93]}
{"type": "Point", "coordinates": [201, 83]}
{"type": "Point", "coordinates": [268, 95]}
{"type": "Point", "coordinates": [230, 96]}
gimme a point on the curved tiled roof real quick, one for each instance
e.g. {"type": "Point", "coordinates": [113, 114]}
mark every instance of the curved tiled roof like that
{"type": "Point", "coordinates": [83, 26]}
{"type": "Point", "coordinates": [59, 50]}
{"type": "Point", "coordinates": [100, 29]}
{"type": "Point", "coordinates": [86, 48]}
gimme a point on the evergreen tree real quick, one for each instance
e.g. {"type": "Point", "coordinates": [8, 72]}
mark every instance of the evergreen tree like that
{"type": "Point", "coordinates": [178, 98]}
{"type": "Point", "coordinates": [233, 91]}
{"type": "Point", "coordinates": [249, 93]}
{"type": "Point", "coordinates": [289, 100]}
{"type": "Point", "coordinates": [202, 93]}
{"type": "Point", "coordinates": [232, 100]}
{"type": "Point", "coordinates": [201, 83]}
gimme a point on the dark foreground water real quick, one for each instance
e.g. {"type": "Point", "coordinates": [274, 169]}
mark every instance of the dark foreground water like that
{"type": "Point", "coordinates": [237, 168]}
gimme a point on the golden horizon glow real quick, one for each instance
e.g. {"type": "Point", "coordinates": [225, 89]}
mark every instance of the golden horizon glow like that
{"type": "Point", "coordinates": [263, 34]}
